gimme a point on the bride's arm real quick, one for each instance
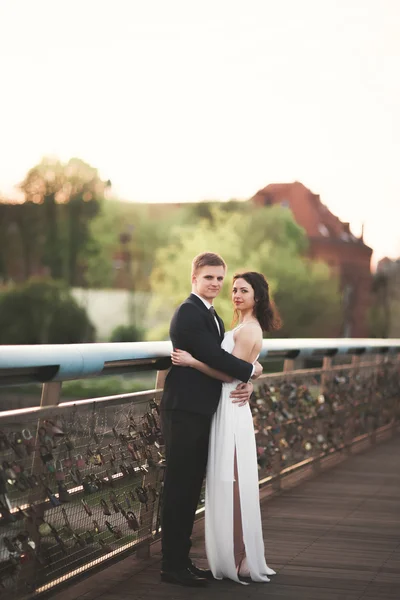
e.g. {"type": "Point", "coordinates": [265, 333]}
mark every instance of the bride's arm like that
{"type": "Point", "coordinates": [248, 342]}
{"type": "Point", "coordinates": [180, 358]}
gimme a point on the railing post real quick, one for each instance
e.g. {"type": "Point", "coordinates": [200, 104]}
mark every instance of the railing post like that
{"type": "Point", "coordinates": [326, 367]}
{"type": "Point", "coordinates": [288, 364]}
{"type": "Point", "coordinates": [51, 392]}
{"type": "Point", "coordinates": [355, 363]}
{"type": "Point", "coordinates": [143, 550]}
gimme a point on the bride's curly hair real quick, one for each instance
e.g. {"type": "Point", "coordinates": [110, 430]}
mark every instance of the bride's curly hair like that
{"type": "Point", "coordinates": [265, 310]}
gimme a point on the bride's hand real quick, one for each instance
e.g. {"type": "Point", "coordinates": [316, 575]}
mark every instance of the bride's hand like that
{"type": "Point", "coordinates": [181, 358]}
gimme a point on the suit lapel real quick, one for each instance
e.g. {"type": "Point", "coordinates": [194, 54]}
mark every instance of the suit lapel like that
{"type": "Point", "coordinates": [201, 305]}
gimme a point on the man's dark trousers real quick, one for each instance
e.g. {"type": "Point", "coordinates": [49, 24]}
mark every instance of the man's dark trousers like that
{"type": "Point", "coordinates": [186, 437]}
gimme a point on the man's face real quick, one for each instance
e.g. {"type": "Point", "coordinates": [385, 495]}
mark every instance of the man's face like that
{"type": "Point", "coordinates": [207, 282]}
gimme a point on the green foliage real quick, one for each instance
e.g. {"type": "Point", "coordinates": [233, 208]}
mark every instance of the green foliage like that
{"type": "Point", "coordinates": [160, 332]}
{"type": "Point", "coordinates": [42, 311]}
{"type": "Point", "coordinates": [103, 386]}
{"type": "Point", "coordinates": [69, 196]}
{"type": "Point", "coordinates": [138, 231]}
{"type": "Point", "coordinates": [127, 333]}
{"type": "Point", "coordinates": [384, 313]}
{"type": "Point", "coordinates": [266, 240]}
{"type": "Point", "coordinates": [81, 389]}
{"type": "Point", "coordinates": [104, 232]}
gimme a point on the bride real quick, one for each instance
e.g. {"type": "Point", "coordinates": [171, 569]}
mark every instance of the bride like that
{"type": "Point", "coordinates": [233, 529]}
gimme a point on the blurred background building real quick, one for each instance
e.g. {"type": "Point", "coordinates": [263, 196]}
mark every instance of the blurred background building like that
{"type": "Point", "coordinates": [331, 241]}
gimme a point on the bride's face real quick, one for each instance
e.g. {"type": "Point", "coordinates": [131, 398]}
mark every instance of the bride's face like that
{"type": "Point", "coordinates": [242, 295]}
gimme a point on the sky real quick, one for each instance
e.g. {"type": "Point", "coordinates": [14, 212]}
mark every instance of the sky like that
{"type": "Point", "coordinates": [187, 100]}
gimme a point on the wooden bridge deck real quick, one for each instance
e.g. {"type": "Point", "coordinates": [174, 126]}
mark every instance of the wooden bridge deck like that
{"type": "Point", "coordinates": [335, 537]}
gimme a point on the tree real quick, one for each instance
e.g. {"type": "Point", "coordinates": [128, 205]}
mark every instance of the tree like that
{"type": "Point", "coordinates": [264, 239]}
{"type": "Point", "coordinates": [134, 231]}
{"type": "Point", "coordinates": [20, 240]}
{"type": "Point", "coordinates": [126, 333]}
{"type": "Point", "coordinates": [42, 311]}
{"type": "Point", "coordinates": [104, 232]}
{"type": "Point", "coordinates": [71, 195]}
{"type": "Point", "coordinates": [384, 314]}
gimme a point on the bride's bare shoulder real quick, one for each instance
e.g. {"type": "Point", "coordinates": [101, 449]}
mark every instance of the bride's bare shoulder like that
{"type": "Point", "coordinates": [249, 332]}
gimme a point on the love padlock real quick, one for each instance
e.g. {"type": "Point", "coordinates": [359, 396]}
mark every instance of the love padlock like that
{"type": "Point", "coordinates": [9, 473]}
{"type": "Point", "coordinates": [96, 526]}
{"type": "Point", "coordinates": [89, 537]}
{"type": "Point", "coordinates": [16, 468]}
{"type": "Point", "coordinates": [153, 492]}
{"type": "Point", "coordinates": [89, 486]}
{"type": "Point", "coordinates": [63, 493]}
{"type": "Point", "coordinates": [45, 438]}
{"type": "Point", "coordinates": [142, 495]}
{"type": "Point", "coordinates": [76, 475]}
{"type": "Point", "coordinates": [112, 453]}
{"type": "Point", "coordinates": [117, 533]}
{"type": "Point", "coordinates": [60, 475]}
{"type": "Point", "coordinates": [95, 458]}
{"type": "Point", "coordinates": [69, 443]}
{"type": "Point", "coordinates": [86, 507]}
{"type": "Point", "coordinates": [4, 443]}
{"type": "Point", "coordinates": [28, 440]}
{"type": "Point", "coordinates": [80, 461]}
{"type": "Point", "coordinates": [133, 523]}
{"type": "Point", "coordinates": [154, 406]}
{"type": "Point", "coordinates": [43, 528]}
{"type": "Point", "coordinates": [54, 501]}
{"type": "Point", "coordinates": [67, 461]}
{"type": "Point", "coordinates": [151, 419]}
{"type": "Point", "coordinates": [104, 506]}
{"type": "Point", "coordinates": [45, 454]}
{"type": "Point", "coordinates": [114, 502]}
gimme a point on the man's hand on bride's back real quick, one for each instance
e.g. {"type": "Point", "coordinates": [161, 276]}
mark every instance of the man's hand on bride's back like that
{"type": "Point", "coordinates": [181, 358]}
{"type": "Point", "coordinates": [241, 395]}
{"type": "Point", "coordinates": [257, 371]}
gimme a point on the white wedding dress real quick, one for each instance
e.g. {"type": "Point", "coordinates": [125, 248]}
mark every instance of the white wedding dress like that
{"type": "Point", "coordinates": [232, 427]}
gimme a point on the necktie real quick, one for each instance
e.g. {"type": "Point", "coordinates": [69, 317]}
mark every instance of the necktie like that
{"type": "Point", "coordinates": [214, 314]}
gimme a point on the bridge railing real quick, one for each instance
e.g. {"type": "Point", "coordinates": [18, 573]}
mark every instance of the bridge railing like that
{"type": "Point", "coordinates": [80, 482]}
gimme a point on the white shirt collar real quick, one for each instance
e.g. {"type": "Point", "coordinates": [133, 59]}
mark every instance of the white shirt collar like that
{"type": "Point", "coordinates": [205, 302]}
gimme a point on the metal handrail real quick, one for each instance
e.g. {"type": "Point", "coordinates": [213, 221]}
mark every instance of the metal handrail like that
{"type": "Point", "coordinates": [59, 362]}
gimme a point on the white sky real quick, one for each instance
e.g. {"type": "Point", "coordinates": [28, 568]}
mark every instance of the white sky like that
{"type": "Point", "coordinates": [177, 100]}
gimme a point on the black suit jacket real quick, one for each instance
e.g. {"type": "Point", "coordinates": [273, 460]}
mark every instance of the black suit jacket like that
{"type": "Point", "coordinates": [193, 329]}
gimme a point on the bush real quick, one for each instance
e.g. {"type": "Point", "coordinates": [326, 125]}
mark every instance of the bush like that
{"type": "Point", "coordinates": [127, 333]}
{"type": "Point", "coordinates": [42, 311]}
{"type": "Point", "coordinates": [103, 386]}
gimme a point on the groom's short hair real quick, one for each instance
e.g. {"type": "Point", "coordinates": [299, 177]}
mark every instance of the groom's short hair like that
{"type": "Point", "coordinates": [207, 259]}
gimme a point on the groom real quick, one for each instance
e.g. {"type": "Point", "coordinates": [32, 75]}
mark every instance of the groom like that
{"type": "Point", "coordinates": [189, 400]}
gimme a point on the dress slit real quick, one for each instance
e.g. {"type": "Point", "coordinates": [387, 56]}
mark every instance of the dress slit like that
{"type": "Point", "coordinates": [239, 549]}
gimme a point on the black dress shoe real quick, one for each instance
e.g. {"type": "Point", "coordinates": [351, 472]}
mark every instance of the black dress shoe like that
{"type": "Point", "coordinates": [204, 573]}
{"type": "Point", "coordinates": [183, 577]}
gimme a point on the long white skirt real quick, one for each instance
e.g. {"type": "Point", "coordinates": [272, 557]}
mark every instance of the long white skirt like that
{"type": "Point", "coordinates": [232, 428]}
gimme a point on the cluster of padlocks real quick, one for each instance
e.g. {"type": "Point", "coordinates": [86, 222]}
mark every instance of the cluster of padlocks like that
{"type": "Point", "coordinates": [75, 487]}
{"type": "Point", "coordinates": [298, 416]}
